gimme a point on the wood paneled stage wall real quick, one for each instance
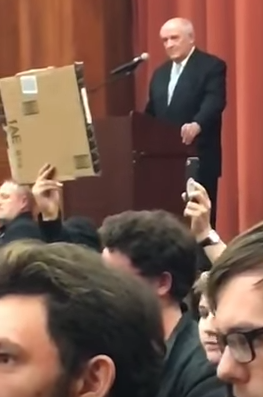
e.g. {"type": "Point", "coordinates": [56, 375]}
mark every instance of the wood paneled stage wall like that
{"type": "Point", "coordinates": [37, 33]}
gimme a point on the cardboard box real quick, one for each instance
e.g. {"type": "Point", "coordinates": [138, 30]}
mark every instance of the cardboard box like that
{"type": "Point", "coordinates": [46, 117]}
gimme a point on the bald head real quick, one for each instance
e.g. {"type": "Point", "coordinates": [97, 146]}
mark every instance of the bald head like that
{"type": "Point", "coordinates": [182, 24]}
{"type": "Point", "coordinates": [178, 38]}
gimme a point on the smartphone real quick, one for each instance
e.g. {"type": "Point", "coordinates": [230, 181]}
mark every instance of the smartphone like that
{"type": "Point", "coordinates": [191, 174]}
{"type": "Point", "coordinates": [51, 175]}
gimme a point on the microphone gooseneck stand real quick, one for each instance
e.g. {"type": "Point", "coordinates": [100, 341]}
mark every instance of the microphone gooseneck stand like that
{"type": "Point", "coordinates": [110, 80]}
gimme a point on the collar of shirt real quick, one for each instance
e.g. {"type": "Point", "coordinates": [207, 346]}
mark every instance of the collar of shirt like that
{"type": "Point", "coordinates": [184, 62]}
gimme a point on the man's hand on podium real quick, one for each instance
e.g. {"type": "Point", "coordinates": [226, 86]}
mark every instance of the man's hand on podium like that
{"type": "Point", "coordinates": [189, 131]}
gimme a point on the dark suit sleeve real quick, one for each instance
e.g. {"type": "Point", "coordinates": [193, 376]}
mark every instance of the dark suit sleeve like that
{"type": "Point", "coordinates": [210, 387]}
{"type": "Point", "coordinates": [214, 100]}
{"type": "Point", "coordinates": [23, 231]}
{"type": "Point", "coordinates": [53, 231]}
{"type": "Point", "coordinates": [201, 383]}
{"type": "Point", "coordinates": [190, 382]}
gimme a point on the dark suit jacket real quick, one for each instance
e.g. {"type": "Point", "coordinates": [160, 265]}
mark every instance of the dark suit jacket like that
{"type": "Point", "coordinates": [20, 228]}
{"type": "Point", "coordinates": [75, 230]}
{"type": "Point", "coordinates": [187, 372]}
{"type": "Point", "coordinates": [200, 95]}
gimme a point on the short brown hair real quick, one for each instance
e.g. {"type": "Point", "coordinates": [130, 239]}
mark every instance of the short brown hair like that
{"type": "Point", "coordinates": [91, 310]}
{"type": "Point", "coordinates": [243, 254]}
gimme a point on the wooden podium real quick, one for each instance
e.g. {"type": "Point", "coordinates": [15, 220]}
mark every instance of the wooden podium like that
{"type": "Point", "coordinates": [143, 167]}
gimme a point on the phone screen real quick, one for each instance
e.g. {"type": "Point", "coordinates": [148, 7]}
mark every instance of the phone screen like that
{"type": "Point", "coordinates": [191, 174]}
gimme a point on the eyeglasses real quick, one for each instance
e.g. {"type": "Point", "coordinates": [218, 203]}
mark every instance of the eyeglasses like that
{"type": "Point", "coordinates": [240, 344]}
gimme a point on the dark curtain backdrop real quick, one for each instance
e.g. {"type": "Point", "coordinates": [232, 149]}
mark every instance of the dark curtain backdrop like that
{"type": "Point", "coordinates": [233, 30]}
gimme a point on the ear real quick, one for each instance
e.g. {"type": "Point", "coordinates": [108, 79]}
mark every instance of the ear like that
{"type": "Point", "coordinates": [163, 284]}
{"type": "Point", "coordinates": [24, 200]}
{"type": "Point", "coordinates": [97, 377]}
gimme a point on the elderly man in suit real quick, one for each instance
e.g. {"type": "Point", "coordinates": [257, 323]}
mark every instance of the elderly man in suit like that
{"type": "Point", "coordinates": [189, 90]}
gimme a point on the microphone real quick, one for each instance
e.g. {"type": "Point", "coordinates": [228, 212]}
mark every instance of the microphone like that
{"type": "Point", "coordinates": [130, 66]}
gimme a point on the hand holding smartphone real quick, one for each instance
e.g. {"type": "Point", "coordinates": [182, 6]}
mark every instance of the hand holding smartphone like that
{"type": "Point", "coordinates": [191, 175]}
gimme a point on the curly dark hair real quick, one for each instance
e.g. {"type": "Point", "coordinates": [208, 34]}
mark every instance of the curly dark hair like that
{"type": "Point", "coordinates": [155, 242]}
{"type": "Point", "coordinates": [92, 310]}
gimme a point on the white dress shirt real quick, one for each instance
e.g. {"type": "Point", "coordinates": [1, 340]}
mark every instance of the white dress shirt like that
{"type": "Point", "coordinates": [176, 71]}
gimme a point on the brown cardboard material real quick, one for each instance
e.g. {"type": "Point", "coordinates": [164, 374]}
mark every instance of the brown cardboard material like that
{"type": "Point", "coordinates": [46, 118]}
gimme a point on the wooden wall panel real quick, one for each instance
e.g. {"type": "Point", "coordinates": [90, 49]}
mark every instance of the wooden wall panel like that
{"type": "Point", "coordinates": [9, 59]}
{"type": "Point", "coordinates": [119, 95]}
{"type": "Point", "coordinates": [37, 33]}
{"type": "Point", "coordinates": [89, 45]}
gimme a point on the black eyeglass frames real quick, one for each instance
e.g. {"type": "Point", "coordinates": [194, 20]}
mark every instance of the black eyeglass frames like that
{"type": "Point", "coordinates": [240, 344]}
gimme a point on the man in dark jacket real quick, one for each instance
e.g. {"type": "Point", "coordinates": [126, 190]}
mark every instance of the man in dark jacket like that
{"type": "Point", "coordinates": [161, 250]}
{"type": "Point", "coordinates": [189, 91]}
{"type": "Point", "coordinates": [16, 213]}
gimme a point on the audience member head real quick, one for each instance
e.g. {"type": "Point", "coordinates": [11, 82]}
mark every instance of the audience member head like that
{"type": "Point", "coordinates": [70, 327]}
{"type": "Point", "coordinates": [14, 200]}
{"type": "Point", "coordinates": [83, 231]}
{"type": "Point", "coordinates": [178, 38]}
{"type": "Point", "coordinates": [235, 291]}
{"type": "Point", "coordinates": [155, 246]}
{"type": "Point", "coordinates": [206, 324]}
